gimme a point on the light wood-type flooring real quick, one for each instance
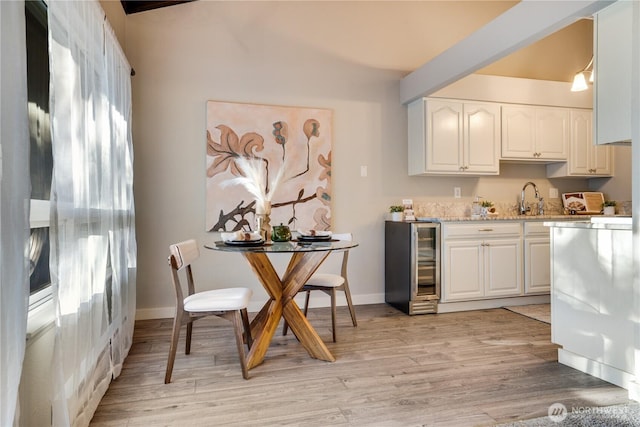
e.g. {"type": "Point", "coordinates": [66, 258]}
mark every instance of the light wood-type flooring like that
{"type": "Point", "coordinates": [455, 369]}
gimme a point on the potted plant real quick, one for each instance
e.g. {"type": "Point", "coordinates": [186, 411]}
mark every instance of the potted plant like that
{"type": "Point", "coordinates": [396, 212]}
{"type": "Point", "coordinates": [609, 207]}
{"type": "Point", "coordinates": [487, 206]}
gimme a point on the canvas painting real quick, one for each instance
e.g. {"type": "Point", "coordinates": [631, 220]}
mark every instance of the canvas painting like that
{"type": "Point", "coordinates": [262, 153]}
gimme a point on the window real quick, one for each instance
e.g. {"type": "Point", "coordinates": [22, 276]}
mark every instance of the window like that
{"type": "Point", "coordinates": [41, 158]}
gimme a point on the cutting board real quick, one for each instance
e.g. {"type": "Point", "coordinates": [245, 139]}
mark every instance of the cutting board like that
{"type": "Point", "coordinates": [586, 202]}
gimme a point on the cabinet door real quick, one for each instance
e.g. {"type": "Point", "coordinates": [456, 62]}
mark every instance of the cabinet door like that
{"type": "Point", "coordinates": [580, 149]}
{"type": "Point", "coordinates": [444, 136]}
{"type": "Point", "coordinates": [503, 267]}
{"type": "Point", "coordinates": [481, 142]}
{"type": "Point", "coordinates": [601, 160]}
{"type": "Point", "coordinates": [552, 133]}
{"type": "Point", "coordinates": [518, 131]}
{"type": "Point", "coordinates": [585, 159]}
{"type": "Point", "coordinates": [462, 271]}
{"type": "Point", "coordinates": [537, 265]}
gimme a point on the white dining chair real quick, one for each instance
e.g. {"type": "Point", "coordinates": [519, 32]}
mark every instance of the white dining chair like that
{"type": "Point", "coordinates": [227, 303]}
{"type": "Point", "coordinates": [329, 283]}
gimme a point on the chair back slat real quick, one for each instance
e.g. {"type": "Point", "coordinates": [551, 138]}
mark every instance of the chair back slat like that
{"type": "Point", "coordinates": [184, 253]}
{"type": "Point", "coordinates": [347, 237]}
{"type": "Point", "coordinates": [181, 256]}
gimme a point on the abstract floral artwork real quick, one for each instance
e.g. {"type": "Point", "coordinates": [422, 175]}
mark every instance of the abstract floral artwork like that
{"type": "Point", "coordinates": [258, 153]}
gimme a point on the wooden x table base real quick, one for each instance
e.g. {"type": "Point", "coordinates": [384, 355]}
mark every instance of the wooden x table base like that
{"type": "Point", "coordinates": [281, 304]}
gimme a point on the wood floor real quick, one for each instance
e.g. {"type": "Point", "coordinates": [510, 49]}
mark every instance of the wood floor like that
{"type": "Point", "coordinates": [455, 369]}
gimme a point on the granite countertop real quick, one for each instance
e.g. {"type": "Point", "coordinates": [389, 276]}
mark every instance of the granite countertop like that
{"type": "Point", "coordinates": [506, 218]}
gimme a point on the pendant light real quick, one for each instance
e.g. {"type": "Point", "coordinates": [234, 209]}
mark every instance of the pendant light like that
{"type": "Point", "coordinates": [580, 80]}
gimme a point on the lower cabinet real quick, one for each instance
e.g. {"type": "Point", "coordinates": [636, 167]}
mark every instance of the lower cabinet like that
{"type": "Point", "coordinates": [481, 260]}
{"type": "Point", "coordinates": [537, 258]}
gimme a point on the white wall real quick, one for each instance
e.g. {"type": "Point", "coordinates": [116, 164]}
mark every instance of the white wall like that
{"type": "Point", "coordinates": [233, 51]}
{"type": "Point", "coordinates": [619, 186]}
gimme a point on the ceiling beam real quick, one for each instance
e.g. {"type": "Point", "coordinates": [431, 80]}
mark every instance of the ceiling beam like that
{"type": "Point", "coordinates": [135, 6]}
{"type": "Point", "coordinates": [520, 26]}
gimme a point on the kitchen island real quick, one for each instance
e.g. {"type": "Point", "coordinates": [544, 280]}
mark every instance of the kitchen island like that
{"type": "Point", "coordinates": [592, 297]}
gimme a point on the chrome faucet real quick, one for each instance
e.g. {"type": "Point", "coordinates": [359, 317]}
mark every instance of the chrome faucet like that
{"type": "Point", "coordinates": [523, 206]}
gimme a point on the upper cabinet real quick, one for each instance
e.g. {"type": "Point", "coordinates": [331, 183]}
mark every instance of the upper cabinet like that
{"type": "Point", "coordinates": [453, 137]}
{"type": "Point", "coordinates": [612, 67]}
{"type": "Point", "coordinates": [585, 159]}
{"type": "Point", "coordinates": [535, 133]}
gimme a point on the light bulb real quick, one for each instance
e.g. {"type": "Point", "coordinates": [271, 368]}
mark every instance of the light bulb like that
{"type": "Point", "coordinates": [579, 83]}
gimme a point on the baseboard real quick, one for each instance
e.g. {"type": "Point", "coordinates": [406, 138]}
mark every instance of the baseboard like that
{"type": "Point", "coordinates": [596, 369]}
{"type": "Point", "coordinates": [318, 299]}
{"type": "Point", "coordinates": [450, 307]}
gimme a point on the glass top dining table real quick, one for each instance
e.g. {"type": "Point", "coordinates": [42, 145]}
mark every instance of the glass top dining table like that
{"type": "Point", "coordinates": [305, 259]}
{"type": "Point", "coordinates": [284, 247]}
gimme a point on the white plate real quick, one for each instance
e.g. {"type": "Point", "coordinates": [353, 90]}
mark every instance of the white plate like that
{"type": "Point", "coordinates": [314, 238]}
{"type": "Point", "coordinates": [246, 243]}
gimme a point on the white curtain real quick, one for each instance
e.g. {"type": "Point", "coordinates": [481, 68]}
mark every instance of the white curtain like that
{"type": "Point", "coordinates": [14, 204]}
{"type": "Point", "coordinates": [93, 248]}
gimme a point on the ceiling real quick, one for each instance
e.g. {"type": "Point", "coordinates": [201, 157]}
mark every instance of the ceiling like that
{"type": "Point", "coordinates": [135, 6]}
{"type": "Point", "coordinates": [391, 35]}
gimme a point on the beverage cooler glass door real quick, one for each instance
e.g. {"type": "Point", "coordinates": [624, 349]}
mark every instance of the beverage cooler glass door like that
{"type": "Point", "coordinates": [426, 274]}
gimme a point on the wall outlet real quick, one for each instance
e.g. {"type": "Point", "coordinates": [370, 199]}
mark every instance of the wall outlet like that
{"type": "Point", "coordinates": [553, 193]}
{"type": "Point", "coordinates": [456, 192]}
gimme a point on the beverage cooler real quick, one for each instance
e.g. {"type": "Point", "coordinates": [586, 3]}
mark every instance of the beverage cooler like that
{"type": "Point", "coordinates": [412, 266]}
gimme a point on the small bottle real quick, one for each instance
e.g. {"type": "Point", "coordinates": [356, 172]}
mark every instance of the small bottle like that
{"type": "Point", "coordinates": [476, 208]}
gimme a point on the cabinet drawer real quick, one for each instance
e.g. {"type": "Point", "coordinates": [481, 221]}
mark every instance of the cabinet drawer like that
{"type": "Point", "coordinates": [481, 230]}
{"type": "Point", "coordinates": [535, 227]}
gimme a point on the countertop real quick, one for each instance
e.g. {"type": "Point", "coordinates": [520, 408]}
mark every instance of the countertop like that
{"type": "Point", "coordinates": [506, 218]}
{"type": "Point", "coordinates": [597, 223]}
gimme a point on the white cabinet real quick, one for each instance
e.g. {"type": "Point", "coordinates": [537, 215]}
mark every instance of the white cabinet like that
{"type": "Point", "coordinates": [585, 159]}
{"type": "Point", "coordinates": [537, 261]}
{"type": "Point", "coordinates": [535, 133]}
{"type": "Point", "coordinates": [481, 260]}
{"type": "Point", "coordinates": [453, 137]}
{"type": "Point", "coordinates": [462, 270]}
{"type": "Point", "coordinates": [612, 31]}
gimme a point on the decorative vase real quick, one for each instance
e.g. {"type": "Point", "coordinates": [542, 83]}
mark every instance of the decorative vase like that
{"type": "Point", "coordinates": [263, 220]}
{"type": "Point", "coordinates": [610, 210]}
